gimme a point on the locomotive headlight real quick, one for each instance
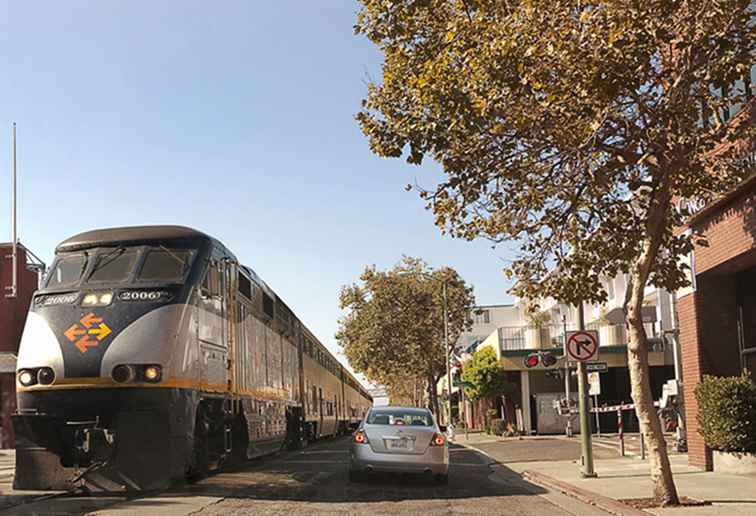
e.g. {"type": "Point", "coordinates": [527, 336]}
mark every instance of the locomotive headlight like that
{"type": "Point", "coordinates": [97, 299]}
{"type": "Point", "coordinates": [123, 373]}
{"type": "Point", "coordinates": [45, 376]}
{"type": "Point", "coordinates": [152, 373]}
{"type": "Point", "coordinates": [26, 378]}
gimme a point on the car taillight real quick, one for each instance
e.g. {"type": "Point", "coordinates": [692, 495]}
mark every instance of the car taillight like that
{"type": "Point", "coordinates": [438, 440]}
{"type": "Point", "coordinates": [360, 437]}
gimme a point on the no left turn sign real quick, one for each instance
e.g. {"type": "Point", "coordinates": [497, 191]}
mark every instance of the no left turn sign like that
{"type": "Point", "coordinates": [582, 345]}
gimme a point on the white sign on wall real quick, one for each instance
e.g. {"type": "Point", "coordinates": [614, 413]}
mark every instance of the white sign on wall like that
{"type": "Point", "coordinates": [594, 381]}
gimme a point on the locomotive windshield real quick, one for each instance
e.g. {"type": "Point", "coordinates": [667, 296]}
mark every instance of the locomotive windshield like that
{"type": "Point", "coordinates": [67, 270]}
{"type": "Point", "coordinates": [115, 265]}
{"type": "Point", "coordinates": [165, 264]}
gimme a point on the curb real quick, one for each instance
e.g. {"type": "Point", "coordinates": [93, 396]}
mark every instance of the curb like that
{"type": "Point", "coordinates": [608, 504]}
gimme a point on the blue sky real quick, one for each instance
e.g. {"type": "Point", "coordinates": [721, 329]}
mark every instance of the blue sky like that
{"type": "Point", "coordinates": [233, 117]}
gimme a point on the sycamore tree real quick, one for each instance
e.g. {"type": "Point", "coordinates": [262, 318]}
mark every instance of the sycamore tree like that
{"type": "Point", "coordinates": [393, 331]}
{"type": "Point", "coordinates": [405, 390]}
{"type": "Point", "coordinates": [571, 127]}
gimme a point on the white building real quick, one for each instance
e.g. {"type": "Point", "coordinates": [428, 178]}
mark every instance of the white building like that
{"type": "Point", "coordinates": [513, 336]}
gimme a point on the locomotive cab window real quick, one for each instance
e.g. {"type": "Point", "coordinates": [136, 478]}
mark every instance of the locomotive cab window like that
{"type": "Point", "coordinates": [211, 285]}
{"type": "Point", "coordinates": [245, 286]}
{"type": "Point", "coordinates": [67, 270]}
{"type": "Point", "coordinates": [165, 264]}
{"type": "Point", "coordinates": [114, 264]}
{"type": "Point", "coordinates": [268, 305]}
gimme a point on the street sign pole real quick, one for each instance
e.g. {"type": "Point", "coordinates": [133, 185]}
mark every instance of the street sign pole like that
{"type": "Point", "coordinates": [568, 427]}
{"type": "Point", "coordinates": [585, 424]}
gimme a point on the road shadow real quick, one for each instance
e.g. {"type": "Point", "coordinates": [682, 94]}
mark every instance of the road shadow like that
{"type": "Point", "coordinates": [326, 480]}
{"type": "Point", "coordinates": [318, 474]}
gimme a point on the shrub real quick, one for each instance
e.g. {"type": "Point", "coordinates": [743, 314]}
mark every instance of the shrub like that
{"type": "Point", "coordinates": [497, 426]}
{"type": "Point", "coordinates": [727, 413]}
{"type": "Point", "coordinates": [511, 430]}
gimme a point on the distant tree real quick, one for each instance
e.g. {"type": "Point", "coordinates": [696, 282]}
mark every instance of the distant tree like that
{"type": "Point", "coordinates": [393, 331]}
{"type": "Point", "coordinates": [405, 390]}
{"type": "Point", "coordinates": [484, 375]}
{"type": "Point", "coordinates": [570, 127]}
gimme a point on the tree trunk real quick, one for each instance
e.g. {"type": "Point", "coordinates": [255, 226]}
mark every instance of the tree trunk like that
{"type": "Point", "coordinates": [637, 356]}
{"type": "Point", "coordinates": [432, 395]}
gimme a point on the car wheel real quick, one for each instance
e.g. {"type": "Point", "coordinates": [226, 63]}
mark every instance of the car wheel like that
{"type": "Point", "coordinates": [442, 479]}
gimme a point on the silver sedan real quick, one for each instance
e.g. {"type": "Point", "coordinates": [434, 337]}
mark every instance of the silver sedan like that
{"type": "Point", "coordinates": [399, 440]}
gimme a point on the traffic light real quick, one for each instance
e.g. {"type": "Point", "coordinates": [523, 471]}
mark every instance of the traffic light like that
{"type": "Point", "coordinates": [545, 358]}
{"type": "Point", "coordinates": [532, 360]}
{"type": "Point", "coordinates": [548, 359]}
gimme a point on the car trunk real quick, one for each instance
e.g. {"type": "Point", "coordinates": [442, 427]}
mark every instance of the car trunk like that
{"type": "Point", "coordinates": [400, 439]}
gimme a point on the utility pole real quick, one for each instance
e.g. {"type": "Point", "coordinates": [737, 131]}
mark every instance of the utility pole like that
{"type": "Point", "coordinates": [448, 359]}
{"type": "Point", "coordinates": [586, 458]}
{"type": "Point", "coordinates": [13, 289]}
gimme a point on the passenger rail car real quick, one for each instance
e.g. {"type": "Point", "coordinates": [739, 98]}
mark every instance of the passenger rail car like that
{"type": "Point", "coordinates": [151, 354]}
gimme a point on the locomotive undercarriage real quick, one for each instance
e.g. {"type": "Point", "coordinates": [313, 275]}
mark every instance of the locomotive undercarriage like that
{"type": "Point", "coordinates": [109, 440]}
{"type": "Point", "coordinates": [132, 439]}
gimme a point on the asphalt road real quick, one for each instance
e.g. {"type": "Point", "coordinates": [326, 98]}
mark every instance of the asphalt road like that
{"type": "Point", "coordinates": [542, 449]}
{"type": "Point", "coordinates": [314, 481]}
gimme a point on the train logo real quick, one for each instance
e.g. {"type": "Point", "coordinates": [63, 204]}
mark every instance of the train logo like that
{"type": "Point", "coordinates": [81, 332]}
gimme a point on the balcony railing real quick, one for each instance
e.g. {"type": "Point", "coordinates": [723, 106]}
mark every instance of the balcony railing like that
{"type": "Point", "coordinates": [517, 338]}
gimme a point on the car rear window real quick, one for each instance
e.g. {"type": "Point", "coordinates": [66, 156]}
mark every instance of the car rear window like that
{"type": "Point", "coordinates": [400, 417]}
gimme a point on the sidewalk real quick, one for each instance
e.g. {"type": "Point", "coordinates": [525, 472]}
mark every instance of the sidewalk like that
{"type": "Point", "coordinates": [479, 437]}
{"type": "Point", "coordinates": [625, 478]}
{"type": "Point", "coordinates": [607, 441]}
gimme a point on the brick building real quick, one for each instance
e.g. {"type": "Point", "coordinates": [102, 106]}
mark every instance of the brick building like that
{"type": "Point", "coordinates": [717, 314]}
{"type": "Point", "coordinates": [12, 320]}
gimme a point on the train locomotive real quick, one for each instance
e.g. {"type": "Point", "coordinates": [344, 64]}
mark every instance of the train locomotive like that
{"type": "Point", "coordinates": [151, 354]}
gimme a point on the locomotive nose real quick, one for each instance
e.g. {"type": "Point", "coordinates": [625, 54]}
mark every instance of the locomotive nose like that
{"type": "Point", "coordinates": [39, 349]}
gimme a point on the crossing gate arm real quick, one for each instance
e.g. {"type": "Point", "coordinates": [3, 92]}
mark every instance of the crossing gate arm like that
{"type": "Point", "coordinates": [615, 408]}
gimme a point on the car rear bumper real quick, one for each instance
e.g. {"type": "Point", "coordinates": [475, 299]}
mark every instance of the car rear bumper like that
{"type": "Point", "coordinates": [435, 460]}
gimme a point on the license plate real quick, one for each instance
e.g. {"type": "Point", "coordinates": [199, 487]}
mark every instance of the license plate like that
{"type": "Point", "coordinates": [399, 444]}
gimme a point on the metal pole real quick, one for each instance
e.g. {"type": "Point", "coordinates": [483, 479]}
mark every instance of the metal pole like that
{"type": "Point", "coordinates": [568, 427]}
{"type": "Point", "coordinates": [585, 423]}
{"type": "Point", "coordinates": [598, 422]}
{"type": "Point", "coordinates": [14, 287]}
{"type": "Point", "coordinates": [464, 406]}
{"type": "Point", "coordinates": [447, 351]}
{"type": "Point", "coordinates": [680, 432]}
{"type": "Point", "coordinates": [621, 430]}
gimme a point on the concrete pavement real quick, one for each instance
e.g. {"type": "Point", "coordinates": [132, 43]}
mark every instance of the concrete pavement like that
{"type": "Point", "coordinates": [620, 478]}
{"type": "Point", "coordinates": [8, 496]}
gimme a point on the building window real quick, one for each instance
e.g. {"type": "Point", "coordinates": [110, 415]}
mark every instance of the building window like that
{"type": "Point", "coordinates": [481, 317]}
